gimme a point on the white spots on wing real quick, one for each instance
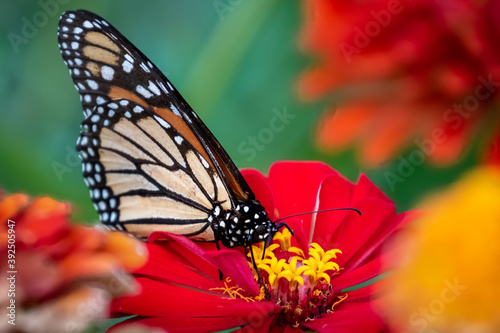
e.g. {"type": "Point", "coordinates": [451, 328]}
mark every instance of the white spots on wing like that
{"type": "Point", "coordinates": [170, 86]}
{"type": "Point", "coordinates": [104, 217]}
{"type": "Point", "coordinates": [217, 211]}
{"type": "Point", "coordinates": [64, 45]}
{"type": "Point", "coordinates": [84, 141]}
{"type": "Point", "coordinates": [97, 194]}
{"type": "Point", "coordinates": [113, 216]}
{"type": "Point", "coordinates": [75, 45]}
{"type": "Point", "coordinates": [154, 88]}
{"type": "Point", "coordinates": [87, 98]}
{"type": "Point", "coordinates": [204, 162]}
{"type": "Point", "coordinates": [138, 109]}
{"type": "Point", "coordinates": [95, 118]}
{"type": "Point", "coordinates": [111, 113]}
{"type": "Point", "coordinates": [162, 122]}
{"type": "Point", "coordinates": [256, 216]}
{"type": "Point", "coordinates": [162, 86]}
{"type": "Point", "coordinates": [107, 73]}
{"type": "Point", "coordinates": [69, 20]}
{"type": "Point", "coordinates": [129, 58]}
{"type": "Point", "coordinates": [128, 114]}
{"type": "Point", "coordinates": [150, 64]}
{"type": "Point", "coordinates": [78, 61]}
{"type": "Point", "coordinates": [106, 123]}
{"type": "Point", "coordinates": [76, 71]}
{"type": "Point", "coordinates": [178, 139]}
{"type": "Point", "coordinates": [98, 177]}
{"type": "Point", "coordinates": [222, 224]}
{"type": "Point", "coordinates": [102, 205]}
{"type": "Point", "coordinates": [72, 15]}
{"type": "Point", "coordinates": [77, 30]}
{"type": "Point", "coordinates": [87, 24]}
{"type": "Point", "coordinates": [105, 193]}
{"type": "Point", "coordinates": [112, 202]}
{"type": "Point", "coordinates": [92, 84]}
{"type": "Point", "coordinates": [113, 106]}
{"type": "Point", "coordinates": [100, 100]}
{"type": "Point", "coordinates": [105, 23]}
{"type": "Point", "coordinates": [246, 209]}
{"type": "Point", "coordinates": [91, 151]}
{"type": "Point", "coordinates": [127, 66]}
{"type": "Point", "coordinates": [145, 68]}
{"type": "Point", "coordinates": [80, 86]}
{"type": "Point", "coordinates": [70, 62]}
{"type": "Point", "coordinates": [175, 110]}
{"type": "Point", "coordinates": [67, 52]}
{"type": "Point", "coordinates": [65, 29]}
{"type": "Point", "coordinates": [143, 91]}
{"type": "Point", "coordinates": [87, 73]}
{"type": "Point", "coordinates": [124, 102]}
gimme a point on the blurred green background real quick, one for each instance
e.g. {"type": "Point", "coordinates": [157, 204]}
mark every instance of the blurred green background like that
{"type": "Point", "coordinates": [233, 61]}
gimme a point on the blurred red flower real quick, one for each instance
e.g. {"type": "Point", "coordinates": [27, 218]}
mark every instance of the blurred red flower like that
{"type": "Point", "coordinates": [59, 276]}
{"type": "Point", "coordinates": [307, 275]}
{"type": "Point", "coordinates": [425, 72]}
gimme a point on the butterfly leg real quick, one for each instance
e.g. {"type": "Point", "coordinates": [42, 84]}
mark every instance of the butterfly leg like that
{"type": "Point", "coordinates": [257, 270]}
{"type": "Point", "coordinates": [221, 277]}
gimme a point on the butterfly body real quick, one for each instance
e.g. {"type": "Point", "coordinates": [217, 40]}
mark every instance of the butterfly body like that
{"type": "Point", "coordinates": [149, 162]}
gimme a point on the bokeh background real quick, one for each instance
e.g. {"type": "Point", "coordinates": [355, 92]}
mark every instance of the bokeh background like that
{"type": "Point", "coordinates": [236, 62]}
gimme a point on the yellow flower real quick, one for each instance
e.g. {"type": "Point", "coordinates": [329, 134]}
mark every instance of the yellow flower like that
{"type": "Point", "coordinates": [449, 279]}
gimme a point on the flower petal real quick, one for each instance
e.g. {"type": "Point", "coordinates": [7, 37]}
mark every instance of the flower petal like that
{"type": "Point", "coordinates": [181, 309]}
{"type": "Point", "coordinates": [296, 185]}
{"type": "Point", "coordinates": [349, 318]}
{"type": "Point", "coordinates": [235, 265]}
{"type": "Point", "coordinates": [355, 232]}
{"type": "Point", "coordinates": [335, 192]}
{"type": "Point", "coordinates": [262, 189]}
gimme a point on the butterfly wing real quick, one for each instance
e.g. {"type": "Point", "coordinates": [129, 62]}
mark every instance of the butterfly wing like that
{"type": "Point", "coordinates": [159, 168]}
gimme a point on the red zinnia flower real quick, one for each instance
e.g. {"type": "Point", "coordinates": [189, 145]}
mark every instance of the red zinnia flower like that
{"type": "Point", "coordinates": [424, 71]}
{"type": "Point", "coordinates": [307, 275]}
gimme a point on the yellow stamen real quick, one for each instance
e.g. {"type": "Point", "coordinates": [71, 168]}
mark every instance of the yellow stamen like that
{"type": "Point", "coordinates": [258, 250]}
{"type": "Point", "coordinates": [296, 271]}
{"type": "Point", "coordinates": [284, 237]}
{"type": "Point", "coordinates": [234, 291]}
{"type": "Point", "coordinates": [275, 269]}
{"type": "Point", "coordinates": [297, 251]}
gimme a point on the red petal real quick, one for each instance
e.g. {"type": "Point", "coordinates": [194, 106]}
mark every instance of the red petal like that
{"type": "Point", "coordinates": [168, 266]}
{"type": "Point", "coordinates": [349, 318]}
{"type": "Point", "coordinates": [359, 275]}
{"type": "Point", "coordinates": [184, 250]}
{"type": "Point", "coordinates": [182, 308]}
{"type": "Point", "coordinates": [335, 192]}
{"type": "Point", "coordinates": [296, 185]}
{"type": "Point", "coordinates": [365, 188]}
{"type": "Point", "coordinates": [381, 235]}
{"type": "Point", "coordinates": [234, 265]}
{"type": "Point", "coordinates": [355, 231]}
{"type": "Point", "coordinates": [261, 188]}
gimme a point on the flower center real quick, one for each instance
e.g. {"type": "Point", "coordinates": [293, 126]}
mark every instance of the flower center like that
{"type": "Point", "coordinates": [300, 283]}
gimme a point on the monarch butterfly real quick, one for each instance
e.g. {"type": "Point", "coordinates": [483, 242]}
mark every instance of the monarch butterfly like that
{"type": "Point", "coordinates": [150, 163]}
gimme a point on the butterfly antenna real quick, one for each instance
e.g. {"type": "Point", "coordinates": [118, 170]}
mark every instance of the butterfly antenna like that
{"type": "Point", "coordinates": [313, 212]}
